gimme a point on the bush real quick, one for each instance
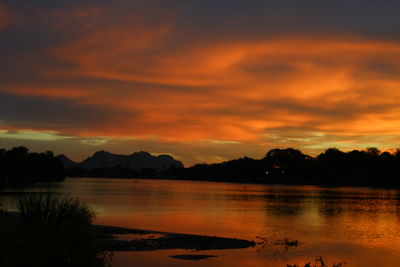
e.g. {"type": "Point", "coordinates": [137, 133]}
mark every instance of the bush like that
{"type": "Point", "coordinates": [50, 210]}
{"type": "Point", "coordinates": [49, 230]}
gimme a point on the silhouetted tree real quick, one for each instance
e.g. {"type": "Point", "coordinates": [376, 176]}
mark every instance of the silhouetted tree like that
{"type": "Point", "coordinates": [290, 163]}
{"type": "Point", "coordinates": [18, 166]}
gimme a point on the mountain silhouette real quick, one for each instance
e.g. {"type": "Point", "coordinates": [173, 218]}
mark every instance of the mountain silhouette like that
{"type": "Point", "coordinates": [66, 161]}
{"type": "Point", "coordinates": [136, 161]}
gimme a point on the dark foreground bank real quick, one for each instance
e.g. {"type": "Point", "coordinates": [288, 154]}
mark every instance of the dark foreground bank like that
{"type": "Point", "coordinates": [92, 246]}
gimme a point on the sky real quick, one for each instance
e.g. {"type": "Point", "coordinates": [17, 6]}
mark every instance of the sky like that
{"type": "Point", "coordinates": [201, 80]}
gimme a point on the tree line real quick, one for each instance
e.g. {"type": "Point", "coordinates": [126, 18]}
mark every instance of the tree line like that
{"type": "Point", "coordinates": [369, 167]}
{"type": "Point", "coordinates": [18, 167]}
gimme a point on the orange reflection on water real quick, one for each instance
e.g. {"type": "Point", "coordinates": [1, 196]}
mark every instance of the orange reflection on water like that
{"type": "Point", "coordinates": [360, 226]}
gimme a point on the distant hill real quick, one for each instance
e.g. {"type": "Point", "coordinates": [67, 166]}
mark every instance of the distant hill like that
{"type": "Point", "coordinates": [136, 161]}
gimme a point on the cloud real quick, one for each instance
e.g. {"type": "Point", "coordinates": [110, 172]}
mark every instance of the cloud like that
{"type": "Point", "coordinates": [8, 17]}
{"type": "Point", "coordinates": [32, 135]}
{"type": "Point", "coordinates": [95, 141]}
{"type": "Point", "coordinates": [244, 75]}
{"type": "Point", "coordinates": [60, 115]}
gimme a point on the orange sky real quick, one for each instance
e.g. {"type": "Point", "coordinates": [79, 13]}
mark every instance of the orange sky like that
{"type": "Point", "coordinates": [202, 82]}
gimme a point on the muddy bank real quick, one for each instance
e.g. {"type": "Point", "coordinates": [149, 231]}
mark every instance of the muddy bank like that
{"type": "Point", "coordinates": [111, 238]}
{"type": "Point", "coordinates": [191, 257]}
{"type": "Point", "coordinates": [126, 239]}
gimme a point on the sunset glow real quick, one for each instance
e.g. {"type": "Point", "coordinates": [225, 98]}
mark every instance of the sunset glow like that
{"type": "Point", "coordinates": [196, 79]}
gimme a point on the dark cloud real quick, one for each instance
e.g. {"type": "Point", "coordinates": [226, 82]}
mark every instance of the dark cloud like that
{"type": "Point", "coordinates": [39, 112]}
{"type": "Point", "coordinates": [287, 17]}
{"type": "Point", "coordinates": [378, 69]}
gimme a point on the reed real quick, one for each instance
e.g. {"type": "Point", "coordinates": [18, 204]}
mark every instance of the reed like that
{"type": "Point", "coordinates": [52, 210]}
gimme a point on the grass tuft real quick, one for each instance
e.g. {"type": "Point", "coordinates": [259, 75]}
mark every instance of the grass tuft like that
{"type": "Point", "coordinates": [50, 230]}
{"type": "Point", "coordinates": [50, 210]}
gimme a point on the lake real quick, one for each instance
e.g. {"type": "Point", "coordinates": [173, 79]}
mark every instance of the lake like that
{"type": "Point", "coordinates": [359, 226]}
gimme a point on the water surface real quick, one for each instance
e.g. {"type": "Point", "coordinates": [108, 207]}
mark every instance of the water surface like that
{"type": "Point", "coordinates": [360, 226]}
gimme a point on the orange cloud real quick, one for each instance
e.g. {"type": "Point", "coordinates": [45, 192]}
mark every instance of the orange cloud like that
{"type": "Point", "coordinates": [308, 91]}
{"type": "Point", "coordinates": [235, 91]}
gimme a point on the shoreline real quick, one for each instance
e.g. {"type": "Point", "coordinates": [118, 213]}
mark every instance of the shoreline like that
{"type": "Point", "coordinates": [120, 239]}
{"type": "Point", "coordinates": [322, 185]}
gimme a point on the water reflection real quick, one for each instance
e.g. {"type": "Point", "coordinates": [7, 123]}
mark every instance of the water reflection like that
{"type": "Point", "coordinates": [356, 225]}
